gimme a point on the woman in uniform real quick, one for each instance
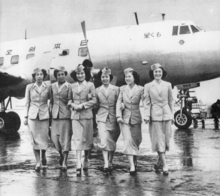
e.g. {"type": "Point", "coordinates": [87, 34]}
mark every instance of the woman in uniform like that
{"type": "Point", "coordinates": [61, 130]}
{"type": "Point", "coordinates": [108, 127]}
{"type": "Point", "coordinates": [129, 116]}
{"type": "Point", "coordinates": [158, 106]}
{"type": "Point", "coordinates": [37, 115]}
{"type": "Point", "coordinates": [81, 100]}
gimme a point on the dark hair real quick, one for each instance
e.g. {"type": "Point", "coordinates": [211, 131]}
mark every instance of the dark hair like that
{"type": "Point", "coordinates": [87, 73]}
{"type": "Point", "coordinates": [44, 73]}
{"type": "Point", "coordinates": [87, 64]}
{"type": "Point", "coordinates": [151, 73]}
{"type": "Point", "coordinates": [56, 71]}
{"type": "Point", "coordinates": [99, 75]}
{"type": "Point", "coordinates": [136, 77]}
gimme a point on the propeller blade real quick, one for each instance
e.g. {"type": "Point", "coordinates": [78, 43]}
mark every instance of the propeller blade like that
{"type": "Point", "coordinates": [83, 24]}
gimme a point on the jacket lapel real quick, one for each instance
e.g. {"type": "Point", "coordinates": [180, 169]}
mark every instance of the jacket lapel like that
{"type": "Point", "coordinates": [75, 87]}
{"type": "Point", "coordinates": [82, 87]}
{"type": "Point", "coordinates": [110, 90]}
{"type": "Point", "coordinates": [135, 90]}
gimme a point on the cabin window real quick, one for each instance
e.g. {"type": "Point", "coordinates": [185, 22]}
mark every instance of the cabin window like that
{"type": "Point", "coordinates": [65, 52]}
{"type": "Point", "coordinates": [175, 30]}
{"type": "Point", "coordinates": [1, 61]}
{"type": "Point", "coordinates": [30, 55]}
{"type": "Point", "coordinates": [184, 30]}
{"type": "Point", "coordinates": [83, 52]}
{"type": "Point", "coordinates": [194, 29]}
{"type": "Point", "coordinates": [15, 59]}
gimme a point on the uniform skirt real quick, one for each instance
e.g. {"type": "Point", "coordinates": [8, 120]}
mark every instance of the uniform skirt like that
{"type": "Point", "coordinates": [108, 134]}
{"type": "Point", "coordinates": [160, 134]}
{"type": "Point", "coordinates": [82, 134]}
{"type": "Point", "coordinates": [61, 133]}
{"type": "Point", "coordinates": [39, 130]}
{"type": "Point", "coordinates": [132, 138]}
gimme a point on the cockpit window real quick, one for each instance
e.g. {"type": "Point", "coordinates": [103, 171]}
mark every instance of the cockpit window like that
{"type": "Point", "coordinates": [194, 29]}
{"type": "Point", "coordinates": [184, 30]}
{"type": "Point", "coordinates": [175, 30]}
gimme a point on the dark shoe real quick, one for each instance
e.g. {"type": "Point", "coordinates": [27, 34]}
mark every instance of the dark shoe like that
{"type": "Point", "coordinates": [166, 173]}
{"type": "Point", "coordinates": [64, 169]}
{"type": "Point", "coordinates": [78, 172]}
{"type": "Point", "coordinates": [37, 168]}
{"type": "Point", "coordinates": [133, 173]}
{"type": "Point", "coordinates": [106, 170]}
{"type": "Point", "coordinates": [158, 168]}
{"type": "Point", "coordinates": [110, 168]}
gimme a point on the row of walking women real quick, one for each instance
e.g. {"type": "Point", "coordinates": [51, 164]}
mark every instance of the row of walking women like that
{"type": "Point", "coordinates": [118, 110]}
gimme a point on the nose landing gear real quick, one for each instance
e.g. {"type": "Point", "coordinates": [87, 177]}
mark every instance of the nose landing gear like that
{"type": "Point", "coordinates": [9, 122]}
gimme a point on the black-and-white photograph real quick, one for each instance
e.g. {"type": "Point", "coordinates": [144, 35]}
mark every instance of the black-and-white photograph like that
{"type": "Point", "coordinates": [109, 97]}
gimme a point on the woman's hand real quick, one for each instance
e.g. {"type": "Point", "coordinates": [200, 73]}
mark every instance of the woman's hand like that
{"type": "Point", "coordinates": [122, 106]}
{"type": "Point", "coordinates": [120, 120]}
{"type": "Point", "coordinates": [78, 107]}
{"type": "Point", "coordinates": [146, 121]}
{"type": "Point", "coordinates": [26, 121]}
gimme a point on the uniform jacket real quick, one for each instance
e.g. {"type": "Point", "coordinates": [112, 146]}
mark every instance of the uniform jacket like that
{"type": "Point", "coordinates": [86, 97]}
{"type": "Point", "coordinates": [59, 100]}
{"type": "Point", "coordinates": [107, 103]}
{"type": "Point", "coordinates": [131, 114]}
{"type": "Point", "coordinates": [158, 106]}
{"type": "Point", "coordinates": [37, 102]}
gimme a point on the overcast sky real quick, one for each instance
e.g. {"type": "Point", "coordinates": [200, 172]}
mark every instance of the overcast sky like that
{"type": "Point", "coordinates": [49, 17]}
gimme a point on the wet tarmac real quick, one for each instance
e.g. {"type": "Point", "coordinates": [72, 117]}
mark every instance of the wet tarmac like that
{"type": "Point", "coordinates": [194, 164]}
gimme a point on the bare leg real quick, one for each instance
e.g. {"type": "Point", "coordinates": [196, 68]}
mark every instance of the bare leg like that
{"type": "Point", "coordinates": [163, 160]}
{"type": "Point", "coordinates": [159, 162]}
{"type": "Point", "coordinates": [105, 157]}
{"type": "Point", "coordinates": [61, 158]}
{"type": "Point", "coordinates": [131, 162]}
{"type": "Point", "coordinates": [110, 157]}
{"type": "Point", "coordinates": [78, 158]}
{"type": "Point", "coordinates": [37, 157]}
{"type": "Point", "coordinates": [135, 160]}
{"type": "Point", "coordinates": [65, 156]}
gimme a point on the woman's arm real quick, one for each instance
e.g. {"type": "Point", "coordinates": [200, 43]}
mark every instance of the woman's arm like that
{"type": "Point", "coordinates": [170, 99]}
{"type": "Point", "coordinates": [146, 103]}
{"type": "Point", "coordinates": [92, 101]}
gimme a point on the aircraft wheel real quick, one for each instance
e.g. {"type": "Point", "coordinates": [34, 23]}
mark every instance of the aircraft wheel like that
{"type": "Point", "coordinates": [182, 121]}
{"type": "Point", "coordinates": [13, 121]}
{"type": "Point", "coordinates": [2, 121]}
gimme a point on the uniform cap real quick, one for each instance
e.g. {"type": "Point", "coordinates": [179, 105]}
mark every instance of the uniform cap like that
{"type": "Point", "coordinates": [126, 71]}
{"type": "Point", "coordinates": [106, 71]}
{"type": "Point", "coordinates": [155, 66]}
{"type": "Point", "coordinates": [79, 68]}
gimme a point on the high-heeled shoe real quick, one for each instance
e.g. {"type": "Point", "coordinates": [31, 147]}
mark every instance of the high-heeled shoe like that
{"type": "Point", "coordinates": [158, 168]}
{"type": "Point", "coordinates": [37, 168]}
{"type": "Point", "coordinates": [78, 172]}
{"type": "Point", "coordinates": [165, 172]}
{"type": "Point", "coordinates": [105, 169]}
{"type": "Point", "coordinates": [133, 173]}
{"type": "Point", "coordinates": [64, 168]}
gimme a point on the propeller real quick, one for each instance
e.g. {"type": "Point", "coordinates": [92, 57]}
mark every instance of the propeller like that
{"type": "Point", "coordinates": [83, 24]}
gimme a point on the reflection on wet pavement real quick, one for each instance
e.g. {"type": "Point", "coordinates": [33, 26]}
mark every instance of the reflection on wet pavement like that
{"type": "Point", "coordinates": [194, 162]}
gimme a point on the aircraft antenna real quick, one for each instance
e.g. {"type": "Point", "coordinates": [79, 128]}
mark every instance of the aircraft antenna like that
{"type": "Point", "coordinates": [163, 16]}
{"type": "Point", "coordinates": [25, 36]}
{"type": "Point", "coordinates": [136, 17]}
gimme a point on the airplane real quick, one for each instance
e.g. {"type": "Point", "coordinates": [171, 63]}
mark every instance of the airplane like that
{"type": "Point", "coordinates": [188, 53]}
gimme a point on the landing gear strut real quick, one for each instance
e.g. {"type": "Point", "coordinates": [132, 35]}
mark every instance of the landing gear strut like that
{"type": "Point", "coordinates": [9, 122]}
{"type": "Point", "coordinates": [182, 117]}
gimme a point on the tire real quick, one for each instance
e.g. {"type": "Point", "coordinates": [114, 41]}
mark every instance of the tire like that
{"type": "Point", "coordinates": [13, 121]}
{"type": "Point", "coordinates": [2, 121]}
{"type": "Point", "coordinates": [184, 121]}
